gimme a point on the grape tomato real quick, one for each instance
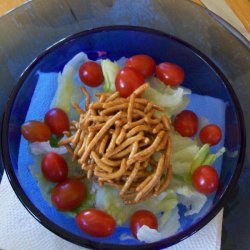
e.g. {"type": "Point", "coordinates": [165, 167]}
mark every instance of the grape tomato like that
{"type": "Point", "coordinates": [96, 222]}
{"type": "Point", "coordinates": [170, 73]}
{"type": "Point", "coordinates": [186, 123]}
{"type": "Point", "coordinates": [205, 179]}
{"type": "Point", "coordinates": [68, 195]}
{"type": "Point", "coordinates": [140, 218]}
{"type": "Point", "coordinates": [127, 81]}
{"type": "Point", "coordinates": [210, 134]}
{"type": "Point", "coordinates": [91, 74]}
{"type": "Point", "coordinates": [142, 63]}
{"type": "Point", "coordinates": [54, 167]}
{"type": "Point", "coordinates": [57, 120]}
{"type": "Point", "coordinates": [35, 131]}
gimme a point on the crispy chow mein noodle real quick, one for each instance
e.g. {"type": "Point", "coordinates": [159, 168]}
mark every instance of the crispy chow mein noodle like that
{"type": "Point", "coordinates": [115, 141]}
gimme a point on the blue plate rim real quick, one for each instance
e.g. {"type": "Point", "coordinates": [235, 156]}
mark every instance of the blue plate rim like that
{"type": "Point", "coordinates": [6, 161]}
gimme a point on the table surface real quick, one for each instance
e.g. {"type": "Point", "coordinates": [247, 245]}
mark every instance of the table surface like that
{"type": "Point", "coordinates": [8, 5]}
{"type": "Point", "coordinates": [35, 19]}
{"type": "Point", "coordinates": [240, 7]}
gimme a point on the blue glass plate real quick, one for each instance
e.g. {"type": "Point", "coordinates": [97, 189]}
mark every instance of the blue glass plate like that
{"type": "Point", "coordinates": [202, 77]}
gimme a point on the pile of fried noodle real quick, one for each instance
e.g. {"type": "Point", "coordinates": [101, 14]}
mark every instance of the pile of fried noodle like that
{"type": "Point", "coordinates": [115, 141]}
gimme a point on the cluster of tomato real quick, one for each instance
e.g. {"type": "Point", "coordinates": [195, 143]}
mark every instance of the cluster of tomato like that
{"type": "Point", "coordinates": [205, 178]}
{"type": "Point", "coordinates": [55, 122]}
{"type": "Point", "coordinates": [69, 193]}
{"type": "Point", "coordinates": [137, 69]}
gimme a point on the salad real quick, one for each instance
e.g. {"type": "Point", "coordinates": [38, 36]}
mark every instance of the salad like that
{"type": "Point", "coordinates": [118, 148]}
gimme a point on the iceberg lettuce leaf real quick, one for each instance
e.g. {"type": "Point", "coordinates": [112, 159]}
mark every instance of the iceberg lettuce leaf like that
{"type": "Point", "coordinates": [66, 84]}
{"type": "Point", "coordinates": [172, 225]}
{"type": "Point", "coordinates": [191, 199]}
{"type": "Point", "coordinates": [107, 198]}
{"type": "Point", "coordinates": [184, 150]}
{"type": "Point", "coordinates": [204, 157]}
{"type": "Point", "coordinates": [110, 70]}
{"type": "Point", "coordinates": [172, 99]}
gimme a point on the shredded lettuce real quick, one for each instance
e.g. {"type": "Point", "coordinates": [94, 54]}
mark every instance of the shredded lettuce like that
{"type": "Point", "coordinates": [187, 155]}
{"type": "Point", "coordinates": [199, 157]}
{"type": "Point", "coordinates": [44, 185]}
{"type": "Point", "coordinates": [149, 235]}
{"type": "Point", "coordinates": [166, 205]}
{"type": "Point", "coordinates": [211, 158]}
{"type": "Point", "coordinates": [108, 199]}
{"type": "Point", "coordinates": [189, 197]}
{"type": "Point", "coordinates": [67, 87]}
{"type": "Point", "coordinates": [110, 70]}
{"type": "Point", "coordinates": [172, 99]}
{"type": "Point", "coordinates": [184, 150]}
{"type": "Point", "coordinates": [204, 157]}
{"type": "Point", "coordinates": [169, 98]}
